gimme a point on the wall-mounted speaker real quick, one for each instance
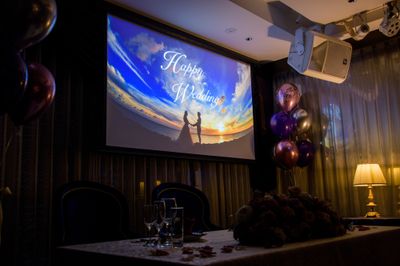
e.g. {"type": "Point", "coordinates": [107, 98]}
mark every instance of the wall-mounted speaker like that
{"type": "Point", "coordinates": [320, 56]}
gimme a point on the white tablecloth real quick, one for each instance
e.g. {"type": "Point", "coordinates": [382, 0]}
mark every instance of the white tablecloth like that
{"type": "Point", "coordinates": [377, 246]}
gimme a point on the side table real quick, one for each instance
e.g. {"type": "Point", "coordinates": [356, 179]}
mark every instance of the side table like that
{"type": "Point", "coordinates": [384, 221]}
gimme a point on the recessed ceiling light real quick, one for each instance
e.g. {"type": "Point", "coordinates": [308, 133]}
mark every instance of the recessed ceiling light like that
{"type": "Point", "coordinates": [230, 30]}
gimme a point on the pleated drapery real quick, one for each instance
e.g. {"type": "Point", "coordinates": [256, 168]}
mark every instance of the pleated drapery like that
{"type": "Point", "coordinates": [361, 117]}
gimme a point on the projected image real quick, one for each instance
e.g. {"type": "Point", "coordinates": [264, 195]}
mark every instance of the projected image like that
{"type": "Point", "coordinates": [167, 95]}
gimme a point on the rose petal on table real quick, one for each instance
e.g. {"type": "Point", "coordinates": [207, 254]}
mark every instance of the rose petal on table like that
{"type": "Point", "coordinates": [158, 252]}
{"type": "Point", "coordinates": [227, 249]}
{"type": "Point", "coordinates": [187, 250]}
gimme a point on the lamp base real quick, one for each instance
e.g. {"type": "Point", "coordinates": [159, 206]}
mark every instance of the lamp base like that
{"type": "Point", "coordinates": [372, 214]}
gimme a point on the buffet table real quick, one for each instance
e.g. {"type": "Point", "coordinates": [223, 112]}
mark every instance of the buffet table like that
{"type": "Point", "coordinates": [376, 246]}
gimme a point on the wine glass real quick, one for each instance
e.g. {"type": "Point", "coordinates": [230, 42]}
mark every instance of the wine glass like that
{"type": "Point", "coordinates": [150, 217]}
{"type": "Point", "coordinates": [159, 221]}
{"type": "Point", "coordinates": [170, 213]}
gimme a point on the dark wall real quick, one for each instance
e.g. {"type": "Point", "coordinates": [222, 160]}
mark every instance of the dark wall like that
{"type": "Point", "coordinates": [264, 171]}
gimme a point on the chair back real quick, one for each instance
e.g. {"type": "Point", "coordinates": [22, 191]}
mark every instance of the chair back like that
{"type": "Point", "coordinates": [194, 201]}
{"type": "Point", "coordinates": [90, 212]}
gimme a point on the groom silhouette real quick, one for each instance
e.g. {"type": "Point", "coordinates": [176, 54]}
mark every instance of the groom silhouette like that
{"type": "Point", "coordinates": [198, 125]}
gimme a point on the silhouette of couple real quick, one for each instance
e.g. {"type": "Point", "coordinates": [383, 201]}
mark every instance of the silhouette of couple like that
{"type": "Point", "coordinates": [184, 137]}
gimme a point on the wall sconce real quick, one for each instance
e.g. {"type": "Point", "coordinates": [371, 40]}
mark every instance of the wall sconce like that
{"type": "Point", "coordinates": [390, 24]}
{"type": "Point", "coordinates": [369, 175]}
{"type": "Point", "coordinates": [141, 188]}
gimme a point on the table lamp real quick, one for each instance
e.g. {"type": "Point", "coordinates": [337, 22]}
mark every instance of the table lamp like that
{"type": "Point", "coordinates": [369, 175]}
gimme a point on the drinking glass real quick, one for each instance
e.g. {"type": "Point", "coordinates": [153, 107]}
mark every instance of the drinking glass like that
{"type": "Point", "coordinates": [177, 227]}
{"type": "Point", "coordinates": [170, 213]}
{"type": "Point", "coordinates": [150, 217]}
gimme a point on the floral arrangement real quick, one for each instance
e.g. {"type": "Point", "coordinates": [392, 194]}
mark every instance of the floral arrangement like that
{"type": "Point", "coordinates": [272, 220]}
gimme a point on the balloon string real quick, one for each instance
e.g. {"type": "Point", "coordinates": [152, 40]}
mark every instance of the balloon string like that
{"type": "Point", "coordinates": [291, 179]}
{"type": "Point", "coordinates": [8, 144]}
{"type": "Point", "coordinates": [17, 131]}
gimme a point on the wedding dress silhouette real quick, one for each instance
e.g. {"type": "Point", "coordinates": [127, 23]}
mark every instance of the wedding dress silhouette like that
{"type": "Point", "coordinates": [184, 138]}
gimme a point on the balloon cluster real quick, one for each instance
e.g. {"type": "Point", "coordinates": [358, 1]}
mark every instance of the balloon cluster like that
{"type": "Point", "coordinates": [26, 90]}
{"type": "Point", "coordinates": [272, 220]}
{"type": "Point", "coordinates": [291, 125]}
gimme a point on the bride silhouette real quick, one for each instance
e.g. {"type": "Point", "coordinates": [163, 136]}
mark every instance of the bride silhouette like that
{"type": "Point", "coordinates": [184, 138]}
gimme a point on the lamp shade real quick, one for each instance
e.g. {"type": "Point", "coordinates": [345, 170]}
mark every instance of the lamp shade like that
{"type": "Point", "coordinates": [369, 174]}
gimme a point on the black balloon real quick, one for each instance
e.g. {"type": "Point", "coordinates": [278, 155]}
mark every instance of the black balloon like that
{"type": "Point", "coordinates": [286, 154]}
{"type": "Point", "coordinates": [306, 152]}
{"type": "Point", "coordinates": [34, 19]}
{"type": "Point", "coordinates": [39, 94]}
{"type": "Point", "coordinates": [320, 126]}
{"type": "Point", "coordinates": [13, 77]}
{"type": "Point", "coordinates": [324, 124]}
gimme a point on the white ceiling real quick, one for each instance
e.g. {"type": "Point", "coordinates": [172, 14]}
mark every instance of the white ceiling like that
{"type": "Point", "coordinates": [229, 23]}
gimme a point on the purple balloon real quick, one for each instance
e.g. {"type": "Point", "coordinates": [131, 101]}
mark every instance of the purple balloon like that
{"type": "Point", "coordinates": [306, 152]}
{"type": "Point", "coordinates": [286, 154]}
{"type": "Point", "coordinates": [282, 124]}
{"type": "Point", "coordinates": [39, 94]}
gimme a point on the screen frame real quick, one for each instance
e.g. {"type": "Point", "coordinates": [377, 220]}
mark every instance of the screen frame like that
{"type": "Point", "coordinates": [99, 116]}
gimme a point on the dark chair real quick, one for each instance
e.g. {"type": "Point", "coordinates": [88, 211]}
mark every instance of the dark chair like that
{"type": "Point", "coordinates": [194, 201]}
{"type": "Point", "coordinates": [90, 212]}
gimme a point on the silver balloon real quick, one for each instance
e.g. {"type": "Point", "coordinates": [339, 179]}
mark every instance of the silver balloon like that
{"type": "Point", "coordinates": [34, 21]}
{"type": "Point", "coordinates": [288, 96]}
{"type": "Point", "coordinates": [303, 121]}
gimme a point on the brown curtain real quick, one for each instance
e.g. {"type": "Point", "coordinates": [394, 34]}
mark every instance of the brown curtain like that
{"type": "Point", "coordinates": [361, 117]}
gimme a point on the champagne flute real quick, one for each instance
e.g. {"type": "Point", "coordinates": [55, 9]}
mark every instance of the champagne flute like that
{"type": "Point", "coordinates": [159, 222]}
{"type": "Point", "coordinates": [150, 217]}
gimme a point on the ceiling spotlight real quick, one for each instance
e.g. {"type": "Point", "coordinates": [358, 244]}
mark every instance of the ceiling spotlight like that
{"type": "Point", "coordinates": [390, 24]}
{"type": "Point", "coordinates": [361, 32]}
{"type": "Point", "coordinates": [357, 33]}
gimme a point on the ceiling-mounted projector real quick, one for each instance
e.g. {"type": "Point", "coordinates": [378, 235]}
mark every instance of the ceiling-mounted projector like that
{"type": "Point", "coordinates": [320, 56]}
